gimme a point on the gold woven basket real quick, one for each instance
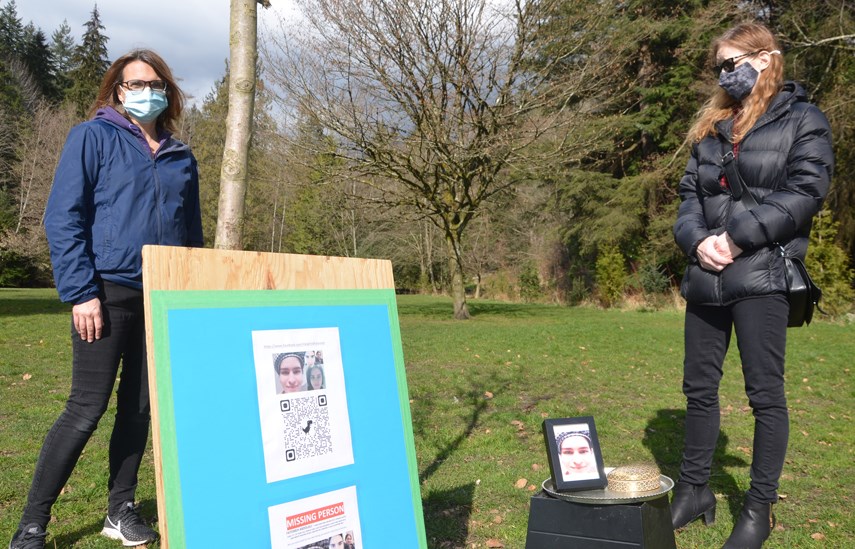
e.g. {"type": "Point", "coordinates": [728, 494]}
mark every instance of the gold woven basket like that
{"type": "Point", "coordinates": [639, 477]}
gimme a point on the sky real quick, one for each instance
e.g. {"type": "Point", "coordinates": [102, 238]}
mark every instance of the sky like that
{"type": "Point", "coordinates": [191, 35]}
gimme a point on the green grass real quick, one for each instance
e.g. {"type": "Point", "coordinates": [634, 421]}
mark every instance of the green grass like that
{"type": "Point", "coordinates": [479, 391]}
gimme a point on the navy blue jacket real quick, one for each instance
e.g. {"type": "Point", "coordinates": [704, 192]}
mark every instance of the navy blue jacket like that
{"type": "Point", "coordinates": [110, 197]}
{"type": "Point", "coordinates": [786, 161]}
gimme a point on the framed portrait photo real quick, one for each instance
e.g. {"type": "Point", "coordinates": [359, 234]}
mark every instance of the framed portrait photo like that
{"type": "Point", "coordinates": [575, 460]}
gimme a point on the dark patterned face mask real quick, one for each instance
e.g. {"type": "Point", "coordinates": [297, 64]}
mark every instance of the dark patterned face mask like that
{"type": "Point", "coordinates": [739, 82]}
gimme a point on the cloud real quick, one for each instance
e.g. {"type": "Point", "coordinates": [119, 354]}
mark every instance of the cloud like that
{"type": "Point", "coordinates": [191, 35]}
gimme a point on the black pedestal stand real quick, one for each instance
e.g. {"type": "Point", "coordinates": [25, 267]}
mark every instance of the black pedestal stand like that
{"type": "Point", "coordinates": [557, 524]}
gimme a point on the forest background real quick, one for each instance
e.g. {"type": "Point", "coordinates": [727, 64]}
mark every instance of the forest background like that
{"type": "Point", "coordinates": [523, 151]}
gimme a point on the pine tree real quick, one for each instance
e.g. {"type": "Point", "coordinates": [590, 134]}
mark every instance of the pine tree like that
{"type": "Point", "coordinates": [611, 275]}
{"type": "Point", "coordinates": [11, 37]}
{"type": "Point", "coordinates": [90, 63]}
{"type": "Point", "coordinates": [39, 61]}
{"type": "Point", "coordinates": [828, 265]}
{"type": "Point", "coordinates": [62, 49]}
{"type": "Point", "coordinates": [11, 31]}
{"type": "Point", "coordinates": [207, 138]}
{"type": "Point", "coordinates": [11, 107]}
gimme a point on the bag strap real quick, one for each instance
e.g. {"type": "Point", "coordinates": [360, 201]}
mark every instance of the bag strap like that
{"type": "Point", "coordinates": [731, 173]}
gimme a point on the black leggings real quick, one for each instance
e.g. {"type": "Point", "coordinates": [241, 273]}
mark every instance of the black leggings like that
{"type": "Point", "coordinates": [94, 369]}
{"type": "Point", "coordinates": [761, 335]}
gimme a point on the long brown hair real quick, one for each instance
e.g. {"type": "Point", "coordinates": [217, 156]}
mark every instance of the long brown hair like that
{"type": "Point", "coordinates": [748, 37]}
{"type": "Point", "coordinates": [108, 92]}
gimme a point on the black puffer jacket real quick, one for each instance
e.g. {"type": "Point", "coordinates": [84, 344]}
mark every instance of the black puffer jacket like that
{"type": "Point", "coordinates": [786, 162]}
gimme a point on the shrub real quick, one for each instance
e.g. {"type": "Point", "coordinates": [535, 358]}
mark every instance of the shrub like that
{"type": "Point", "coordinates": [22, 271]}
{"type": "Point", "coordinates": [611, 275]}
{"type": "Point", "coordinates": [828, 265]}
{"type": "Point", "coordinates": [529, 281]}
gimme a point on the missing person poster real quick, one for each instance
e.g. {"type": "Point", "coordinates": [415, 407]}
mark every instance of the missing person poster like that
{"type": "Point", "coordinates": [302, 401]}
{"type": "Point", "coordinates": [324, 521]}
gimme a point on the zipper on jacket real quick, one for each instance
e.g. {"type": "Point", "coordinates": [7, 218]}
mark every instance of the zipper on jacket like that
{"type": "Point", "coordinates": [157, 199]}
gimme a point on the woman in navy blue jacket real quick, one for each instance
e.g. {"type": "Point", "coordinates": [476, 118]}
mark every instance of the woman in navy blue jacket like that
{"type": "Point", "coordinates": [735, 278]}
{"type": "Point", "coordinates": [122, 182]}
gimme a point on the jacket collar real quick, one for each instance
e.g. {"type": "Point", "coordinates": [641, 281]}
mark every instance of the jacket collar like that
{"type": "Point", "coordinates": [113, 117]}
{"type": "Point", "coordinates": [791, 92]}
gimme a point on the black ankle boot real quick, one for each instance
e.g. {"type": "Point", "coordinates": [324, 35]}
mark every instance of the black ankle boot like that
{"type": "Point", "coordinates": [754, 525]}
{"type": "Point", "coordinates": [691, 502]}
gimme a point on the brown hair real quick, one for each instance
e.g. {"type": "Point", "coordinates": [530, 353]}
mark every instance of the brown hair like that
{"type": "Point", "coordinates": [749, 37]}
{"type": "Point", "coordinates": [108, 95]}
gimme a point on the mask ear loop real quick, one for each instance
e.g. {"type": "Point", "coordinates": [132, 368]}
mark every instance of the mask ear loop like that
{"type": "Point", "coordinates": [770, 53]}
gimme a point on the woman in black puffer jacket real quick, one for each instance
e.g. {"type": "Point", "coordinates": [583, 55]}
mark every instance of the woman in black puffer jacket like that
{"type": "Point", "coordinates": [735, 278]}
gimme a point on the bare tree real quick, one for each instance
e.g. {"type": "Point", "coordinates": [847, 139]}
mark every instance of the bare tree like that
{"type": "Point", "coordinates": [40, 143]}
{"type": "Point", "coordinates": [440, 95]}
{"type": "Point", "coordinates": [243, 54]}
{"type": "Point", "coordinates": [40, 138]}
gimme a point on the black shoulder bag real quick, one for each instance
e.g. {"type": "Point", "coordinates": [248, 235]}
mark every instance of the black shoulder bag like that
{"type": "Point", "coordinates": [802, 294]}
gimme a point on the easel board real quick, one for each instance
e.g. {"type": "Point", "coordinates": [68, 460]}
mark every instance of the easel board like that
{"type": "Point", "coordinates": [218, 409]}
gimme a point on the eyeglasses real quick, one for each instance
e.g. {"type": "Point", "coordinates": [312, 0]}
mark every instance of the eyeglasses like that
{"type": "Point", "coordinates": [140, 85]}
{"type": "Point", "coordinates": [729, 64]}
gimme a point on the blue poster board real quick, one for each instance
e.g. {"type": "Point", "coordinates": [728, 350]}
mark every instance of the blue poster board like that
{"type": "Point", "coordinates": [212, 450]}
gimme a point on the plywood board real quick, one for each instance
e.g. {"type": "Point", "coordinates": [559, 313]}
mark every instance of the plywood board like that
{"type": "Point", "coordinates": [217, 296]}
{"type": "Point", "coordinates": [175, 268]}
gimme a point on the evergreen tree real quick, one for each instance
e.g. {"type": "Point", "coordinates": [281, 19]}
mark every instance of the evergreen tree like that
{"type": "Point", "coordinates": [11, 31]}
{"type": "Point", "coordinates": [828, 265]}
{"type": "Point", "coordinates": [62, 49]}
{"type": "Point", "coordinates": [39, 61]}
{"type": "Point", "coordinates": [207, 138]}
{"type": "Point", "coordinates": [817, 38]}
{"type": "Point", "coordinates": [312, 200]}
{"type": "Point", "coordinates": [11, 107]}
{"type": "Point", "coordinates": [11, 37]}
{"type": "Point", "coordinates": [611, 275]}
{"type": "Point", "coordinates": [206, 135]}
{"type": "Point", "coordinates": [90, 63]}
{"type": "Point", "coordinates": [620, 188]}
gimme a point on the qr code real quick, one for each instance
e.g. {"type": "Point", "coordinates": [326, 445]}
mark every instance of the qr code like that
{"type": "Point", "coordinates": [306, 426]}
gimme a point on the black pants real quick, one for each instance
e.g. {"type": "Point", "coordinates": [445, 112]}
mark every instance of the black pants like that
{"type": "Point", "coordinates": [94, 369]}
{"type": "Point", "coordinates": [761, 335]}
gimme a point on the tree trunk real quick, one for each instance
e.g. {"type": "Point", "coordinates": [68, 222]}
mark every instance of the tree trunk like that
{"type": "Point", "coordinates": [458, 290]}
{"type": "Point", "coordinates": [243, 52]}
{"type": "Point", "coordinates": [478, 287]}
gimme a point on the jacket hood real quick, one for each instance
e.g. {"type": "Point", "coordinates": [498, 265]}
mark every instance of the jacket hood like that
{"type": "Point", "coordinates": [791, 92]}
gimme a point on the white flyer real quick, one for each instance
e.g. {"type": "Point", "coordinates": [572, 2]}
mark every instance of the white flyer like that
{"type": "Point", "coordinates": [302, 401]}
{"type": "Point", "coordinates": [324, 521]}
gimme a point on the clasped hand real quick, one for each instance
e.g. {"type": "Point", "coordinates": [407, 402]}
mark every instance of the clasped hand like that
{"type": "Point", "coordinates": [717, 252]}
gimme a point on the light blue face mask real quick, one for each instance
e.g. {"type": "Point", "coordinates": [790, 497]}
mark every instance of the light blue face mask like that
{"type": "Point", "coordinates": [145, 105]}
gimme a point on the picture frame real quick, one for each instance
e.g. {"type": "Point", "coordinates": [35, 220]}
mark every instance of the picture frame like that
{"type": "Point", "coordinates": [575, 459]}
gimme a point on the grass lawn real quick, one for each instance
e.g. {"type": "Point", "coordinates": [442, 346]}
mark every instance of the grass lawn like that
{"type": "Point", "coordinates": [479, 391]}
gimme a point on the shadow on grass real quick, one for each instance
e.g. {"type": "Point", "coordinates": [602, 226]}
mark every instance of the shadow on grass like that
{"type": "Point", "coordinates": [447, 515]}
{"type": "Point", "coordinates": [664, 436]}
{"type": "Point", "coordinates": [479, 404]}
{"type": "Point", "coordinates": [511, 310]}
{"type": "Point", "coordinates": [69, 539]}
{"type": "Point", "coordinates": [447, 512]}
{"type": "Point", "coordinates": [442, 309]}
{"type": "Point", "coordinates": [14, 302]}
{"type": "Point", "coordinates": [147, 510]}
